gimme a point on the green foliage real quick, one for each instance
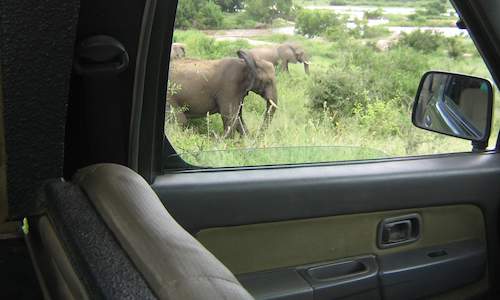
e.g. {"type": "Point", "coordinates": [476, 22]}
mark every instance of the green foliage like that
{"type": "Point", "coordinates": [336, 89]}
{"type": "Point", "coordinates": [238, 20]}
{"type": "Point", "coordinates": [201, 14]}
{"type": "Point", "coordinates": [267, 10]}
{"type": "Point", "coordinates": [314, 23]}
{"type": "Point", "coordinates": [384, 118]}
{"type": "Point", "coordinates": [456, 48]}
{"type": "Point", "coordinates": [338, 2]}
{"type": "Point", "coordinates": [424, 41]}
{"type": "Point", "coordinates": [230, 5]}
{"type": "Point", "coordinates": [436, 7]}
{"type": "Point", "coordinates": [204, 47]}
{"type": "Point", "coordinates": [365, 76]}
{"type": "Point", "coordinates": [374, 14]}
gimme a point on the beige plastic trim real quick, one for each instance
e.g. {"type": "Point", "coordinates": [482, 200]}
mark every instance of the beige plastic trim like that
{"type": "Point", "coordinates": [52, 266]}
{"type": "Point", "coordinates": [259, 247]}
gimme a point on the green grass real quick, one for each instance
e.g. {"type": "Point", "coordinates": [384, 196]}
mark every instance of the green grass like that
{"type": "Point", "coordinates": [301, 133]}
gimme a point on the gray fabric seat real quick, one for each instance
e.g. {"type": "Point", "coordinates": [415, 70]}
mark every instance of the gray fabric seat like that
{"type": "Point", "coordinates": [173, 263]}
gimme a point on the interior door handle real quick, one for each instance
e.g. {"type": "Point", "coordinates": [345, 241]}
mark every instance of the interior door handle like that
{"type": "Point", "coordinates": [399, 231]}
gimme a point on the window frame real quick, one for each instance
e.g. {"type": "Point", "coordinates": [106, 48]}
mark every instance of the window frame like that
{"type": "Point", "coordinates": [156, 164]}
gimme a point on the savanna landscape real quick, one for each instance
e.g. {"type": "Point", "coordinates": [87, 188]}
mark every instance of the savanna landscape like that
{"type": "Point", "coordinates": [366, 60]}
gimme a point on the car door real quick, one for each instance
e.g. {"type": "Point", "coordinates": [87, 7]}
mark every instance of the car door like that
{"type": "Point", "coordinates": [402, 228]}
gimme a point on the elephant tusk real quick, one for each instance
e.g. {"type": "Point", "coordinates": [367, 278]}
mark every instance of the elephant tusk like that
{"type": "Point", "coordinates": [273, 104]}
{"type": "Point", "coordinates": [307, 62]}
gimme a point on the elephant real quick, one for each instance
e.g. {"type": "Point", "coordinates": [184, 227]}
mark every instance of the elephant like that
{"type": "Point", "coordinates": [283, 55]}
{"type": "Point", "coordinates": [178, 51]}
{"type": "Point", "coordinates": [204, 87]}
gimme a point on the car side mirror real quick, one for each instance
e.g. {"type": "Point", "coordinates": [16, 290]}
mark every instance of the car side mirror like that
{"type": "Point", "coordinates": [455, 105]}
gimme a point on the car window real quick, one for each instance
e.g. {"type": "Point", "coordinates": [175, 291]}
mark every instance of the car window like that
{"type": "Point", "coordinates": [267, 82]}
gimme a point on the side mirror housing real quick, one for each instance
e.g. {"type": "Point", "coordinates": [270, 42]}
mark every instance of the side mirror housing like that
{"type": "Point", "coordinates": [456, 105]}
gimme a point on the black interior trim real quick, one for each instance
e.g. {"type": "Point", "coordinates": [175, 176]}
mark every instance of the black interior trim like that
{"type": "Point", "coordinates": [152, 121]}
{"type": "Point", "coordinates": [99, 260]}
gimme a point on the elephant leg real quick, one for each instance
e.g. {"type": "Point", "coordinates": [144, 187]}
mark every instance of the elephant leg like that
{"type": "Point", "coordinates": [284, 66]}
{"type": "Point", "coordinates": [241, 127]}
{"type": "Point", "coordinates": [181, 118]}
{"type": "Point", "coordinates": [230, 119]}
{"type": "Point", "coordinates": [174, 109]}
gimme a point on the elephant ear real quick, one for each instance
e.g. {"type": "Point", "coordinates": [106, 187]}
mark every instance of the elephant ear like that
{"type": "Point", "coordinates": [252, 66]}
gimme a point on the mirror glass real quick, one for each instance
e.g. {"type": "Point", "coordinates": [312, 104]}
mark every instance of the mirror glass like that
{"type": "Point", "coordinates": [454, 104]}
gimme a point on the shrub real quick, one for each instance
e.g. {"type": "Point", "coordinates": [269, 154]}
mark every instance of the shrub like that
{"type": "Point", "coordinates": [455, 47]}
{"type": "Point", "coordinates": [210, 16]}
{"type": "Point", "coordinates": [382, 118]}
{"type": "Point", "coordinates": [230, 5]}
{"type": "Point", "coordinates": [417, 17]}
{"type": "Point", "coordinates": [315, 23]}
{"type": "Point", "coordinates": [374, 14]}
{"type": "Point", "coordinates": [370, 32]}
{"type": "Point", "coordinates": [435, 7]}
{"type": "Point", "coordinates": [424, 41]}
{"type": "Point", "coordinates": [198, 14]}
{"type": "Point", "coordinates": [367, 76]}
{"type": "Point", "coordinates": [267, 10]}
{"type": "Point", "coordinates": [339, 90]}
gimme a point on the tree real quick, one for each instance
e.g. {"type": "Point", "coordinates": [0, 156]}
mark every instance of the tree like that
{"type": "Point", "coordinates": [201, 14]}
{"type": "Point", "coordinates": [230, 5]}
{"type": "Point", "coordinates": [315, 23]}
{"type": "Point", "coordinates": [267, 10]}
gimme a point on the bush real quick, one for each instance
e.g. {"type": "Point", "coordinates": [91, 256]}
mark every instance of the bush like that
{"type": "Point", "coordinates": [339, 90]}
{"type": "Point", "coordinates": [198, 14]}
{"type": "Point", "coordinates": [424, 41]}
{"type": "Point", "coordinates": [374, 14]}
{"type": "Point", "coordinates": [267, 10]}
{"type": "Point", "coordinates": [315, 23]}
{"type": "Point", "coordinates": [367, 76]}
{"type": "Point", "coordinates": [455, 47]}
{"type": "Point", "coordinates": [435, 7]}
{"type": "Point", "coordinates": [382, 118]}
{"type": "Point", "coordinates": [370, 32]}
{"type": "Point", "coordinates": [230, 5]}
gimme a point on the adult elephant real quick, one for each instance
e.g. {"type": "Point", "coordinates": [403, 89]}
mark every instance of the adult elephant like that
{"type": "Point", "coordinates": [201, 87]}
{"type": "Point", "coordinates": [178, 51]}
{"type": "Point", "coordinates": [284, 54]}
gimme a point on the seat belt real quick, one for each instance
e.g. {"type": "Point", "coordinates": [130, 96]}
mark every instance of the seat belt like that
{"type": "Point", "coordinates": [36, 59]}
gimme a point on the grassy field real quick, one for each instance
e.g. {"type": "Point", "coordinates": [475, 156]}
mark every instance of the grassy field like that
{"type": "Point", "coordinates": [373, 121]}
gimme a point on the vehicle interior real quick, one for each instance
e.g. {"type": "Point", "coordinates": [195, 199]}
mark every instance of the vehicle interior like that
{"type": "Point", "coordinates": [91, 208]}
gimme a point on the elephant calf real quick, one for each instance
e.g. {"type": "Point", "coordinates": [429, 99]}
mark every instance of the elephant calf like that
{"type": "Point", "coordinates": [178, 51]}
{"type": "Point", "coordinates": [219, 86]}
{"type": "Point", "coordinates": [283, 55]}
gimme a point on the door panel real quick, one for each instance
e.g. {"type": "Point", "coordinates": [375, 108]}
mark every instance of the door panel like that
{"type": "Point", "coordinates": [259, 247]}
{"type": "Point", "coordinates": [264, 220]}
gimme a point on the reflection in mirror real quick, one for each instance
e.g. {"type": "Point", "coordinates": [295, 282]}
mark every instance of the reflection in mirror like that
{"type": "Point", "coordinates": [455, 105]}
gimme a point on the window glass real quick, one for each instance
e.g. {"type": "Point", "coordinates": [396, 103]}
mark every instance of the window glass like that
{"type": "Point", "coordinates": [265, 82]}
